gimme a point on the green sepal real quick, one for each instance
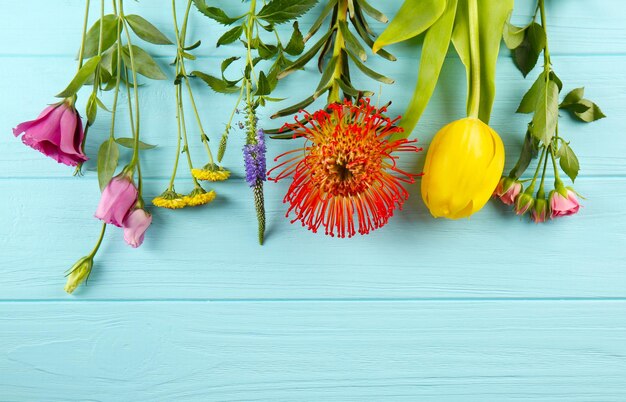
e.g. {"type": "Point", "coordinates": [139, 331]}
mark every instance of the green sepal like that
{"type": "Point", "coordinates": [82, 76]}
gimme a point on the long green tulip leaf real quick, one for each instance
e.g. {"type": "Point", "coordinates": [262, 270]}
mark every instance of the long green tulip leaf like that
{"type": "Point", "coordinates": [434, 50]}
{"type": "Point", "coordinates": [413, 18]}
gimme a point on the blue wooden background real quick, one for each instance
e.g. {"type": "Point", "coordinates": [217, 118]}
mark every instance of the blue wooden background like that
{"type": "Point", "coordinates": [490, 308]}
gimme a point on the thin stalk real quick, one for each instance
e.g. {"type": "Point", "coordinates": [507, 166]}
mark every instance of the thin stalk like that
{"type": "Point", "coordinates": [249, 31]}
{"type": "Point", "coordinates": [474, 95]}
{"type": "Point", "coordinates": [81, 51]}
{"type": "Point", "coordinates": [118, 79]}
{"type": "Point", "coordinates": [133, 69]}
{"type": "Point", "coordinates": [541, 193]}
{"type": "Point", "coordinates": [99, 242]}
{"type": "Point", "coordinates": [531, 186]}
{"type": "Point", "coordinates": [184, 131]}
{"type": "Point", "coordinates": [171, 186]}
{"type": "Point", "coordinates": [340, 44]}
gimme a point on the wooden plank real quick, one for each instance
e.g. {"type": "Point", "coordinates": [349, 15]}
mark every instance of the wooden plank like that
{"type": "Point", "coordinates": [212, 252]}
{"type": "Point", "coordinates": [604, 77]}
{"type": "Point", "coordinates": [505, 351]}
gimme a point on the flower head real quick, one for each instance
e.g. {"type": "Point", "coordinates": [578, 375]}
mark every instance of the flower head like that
{"type": "Point", "coordinates": [117, 199]}
{"type": "Point", "coordinates": [463, 165]}
{"type": "Point", "coordinates": [169, 199]}
{"type": "Point", "coordinates": [540, 211]}
{"type": "Point", "coordinates": [78, 273]}
{"type": "Point", "coordinates": [57, 133]}
{"type": "Point", "coordinates": [563, 202]}
{"type": "Point", "coordinates": [347, 170]}
{"type": "Point", "coordinates": [254, 159]}
{"type": "Point", "coordinates": [523, 203]}
{"type": "Point", "coordinates": [507, 190]}
{"type": "Point", "coordinates": [211, 172]}
{"type": "Point", "coordinates": [135, 226]}
{"type": "Point", "coordinates": [199, 197]}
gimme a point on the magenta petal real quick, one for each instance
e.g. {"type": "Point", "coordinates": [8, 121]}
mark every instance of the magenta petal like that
{"type": "Point", "coordinates": [135, 226]}
{"type": "Point", "coordinates": [22, 127]}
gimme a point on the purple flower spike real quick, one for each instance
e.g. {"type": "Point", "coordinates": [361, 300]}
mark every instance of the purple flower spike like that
{"type": "Point", "coordinates": [254, 159]}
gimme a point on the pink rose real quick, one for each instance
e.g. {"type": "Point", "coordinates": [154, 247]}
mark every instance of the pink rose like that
{"type": "Point", "coordinates": [523, 203]}
{"type": "Point", "coordinates": [116, 201]}
{"type": "Point", "coordinates": [135, 226]}
{"type": "Point", "coordinates": [561, 205]}
{"type": "Point", "coordinates": [57, 133]}
{"type": "Point", "coordinates": [507, 190]}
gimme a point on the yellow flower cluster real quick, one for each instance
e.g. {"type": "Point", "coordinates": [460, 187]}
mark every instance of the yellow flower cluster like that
{"type": "Point", "coordinates": [211, 172]}
{"type": "Point", "coordinates": [172, 200]}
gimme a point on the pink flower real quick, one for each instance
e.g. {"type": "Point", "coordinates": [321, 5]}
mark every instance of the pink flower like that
{"type": "Point", "coordinates": [523, 202]}
{"type": "Point", "coordinates": [116, 201]}
{"type": "Point", "coordinates": [57, 133]}
{"type": "Point", "coordinates": [135, 226]}
{"type": "Point", "coordinates": [540, 211]}
{"type": "Point", "coordinates": [561, 205]}
{"type": "Point", "coordinates": [507, 190]}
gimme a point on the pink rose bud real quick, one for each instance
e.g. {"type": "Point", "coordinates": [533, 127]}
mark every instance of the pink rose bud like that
{"type": "Point", "coordinates": [563, 203]}
{"type": "Point", "coordinates": [135, 226]}
{"type": "Point", "coordinates": [540, 211]}
{"type": "Point", "coordinates": [57, 133]}
{"type": "Point", "coordinates": [507, 190]}
{"type": "Point", "coordinates": [523, 202]}
{"type": "Point", "coordinates": [117, 199]}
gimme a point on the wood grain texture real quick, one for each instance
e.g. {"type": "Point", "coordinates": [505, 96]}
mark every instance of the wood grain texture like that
{"type": "Point", "coordinates": [496, 350]}
{"type": "Point", "coordinates": [491, 308]}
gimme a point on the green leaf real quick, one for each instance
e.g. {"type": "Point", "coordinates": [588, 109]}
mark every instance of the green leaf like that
{"type": "Point", "coordinates": [91, 108]}
{"type": "Point", "coordinates": [320, 19]}
{"type": "Point", "coordinates": [351, 41]}
{"type": "Point", "coordinates": [216, 84]}
{"type": "Point", "coordinates": [529, 101]}
{"type": "Point", "coordinates": [266, 52]}
{"type": "Point", "coordinates": [128, 142]}
{"type": "Point", "coordinates": [513, 35]}
{"type": "Point", "coordinates": [529, 151]}
{"type": "Point", "coordinates": [546, 113]}
{"type": "Point", "coordinates": [372, 12]}
{"type": "Point", "coordinates": [573, 97]}
{"type": "Point", "coordinates": [215, 13]}
{"type": "Point", "coordinates": [109, 32]}
{"type": "Point", "coordinates": [491, 18]}
{"type": "Point", "coordinates": [413, 18]}
{"type": "Point", "coordinates": [306, 57]}
{"type": "Point", "coordinates": [296, 42]}
{"type": "Point", "coordinates": [280, 11]}
{"type": "Point", "coordinates": [568, 161]}
{"type": "Point", "coordinates": [362, 31]}
{"type": "Point", "coordinates": [146, 30]}
{"type": "Point", "coordinates": [349, 90]}
{"type": "Point", "coordinates": [434, 50]}
{"type": "Point", "coordinates": [144, 63]}
{"type": "Point", "coordinates": [327, 74]}
{"type": "Point", "coordinates": [263, 86]}
{"type": "Point", "coordinates": [527, 53]}
{"type": "Point", "coordinates": [593, 112]}
{"type": "Point", "coordinates": [108, 155]}
{"type": "Point", "coordinates": [194, 46]}
{"type": "Point", "coordinates": [300, 105]}
{"type": "Point", "coordinates": [230, 36]}
{"type": "Point", "coordinates": [369, 72]}
{"type": "Point", "coordinates": [81, 77]}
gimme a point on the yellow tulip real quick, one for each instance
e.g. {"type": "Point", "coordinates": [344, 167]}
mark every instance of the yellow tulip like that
{"type": "Point", "coordinates": [463, 166]}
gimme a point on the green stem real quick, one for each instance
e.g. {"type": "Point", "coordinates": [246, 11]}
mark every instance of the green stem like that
{"type": "Point", "coordinates": [557, 178]}
{"type": "Point", "coordinates": [531, 186]}
{"type": "Point", "coordinates": [118, 79]}
{"type": "Point", "coordinates": [474, 95]}
{"type": "Point", "coordinates": [132, 128]}
{"type": "Point", "coordinates": [133, 69]}
{"type": "Point", "coordinates": [179, 97]}
{"type": "Point", "coordinates": [171, 186]}
{"type": "Point", "coordinates": [249, 31]}
{"type": "Point", "coordinates": [99, 242]}
{"type": "Point", "coordinates": [541, 193]}
{"type": "Point", "coordinates": [81, 51]}
{"type": "Point", "coordinates": [338, 48]}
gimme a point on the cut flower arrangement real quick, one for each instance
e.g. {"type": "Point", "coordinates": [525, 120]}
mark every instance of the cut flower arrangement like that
{"type": "Point", "coordinates": [344, 173]}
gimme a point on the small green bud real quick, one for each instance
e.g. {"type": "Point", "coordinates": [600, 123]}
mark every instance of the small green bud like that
{"type": "Point", "coordinates": [78, 273]}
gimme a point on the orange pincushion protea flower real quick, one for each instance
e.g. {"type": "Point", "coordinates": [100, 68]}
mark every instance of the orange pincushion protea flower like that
{"type": "Point", "coordinates": [346, 169]}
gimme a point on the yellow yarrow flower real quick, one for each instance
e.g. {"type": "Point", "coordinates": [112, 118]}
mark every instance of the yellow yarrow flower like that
{"type": "Point", "coordinates": [199, 197]}
{"type": "Point", "coordinates": [169, 199]}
